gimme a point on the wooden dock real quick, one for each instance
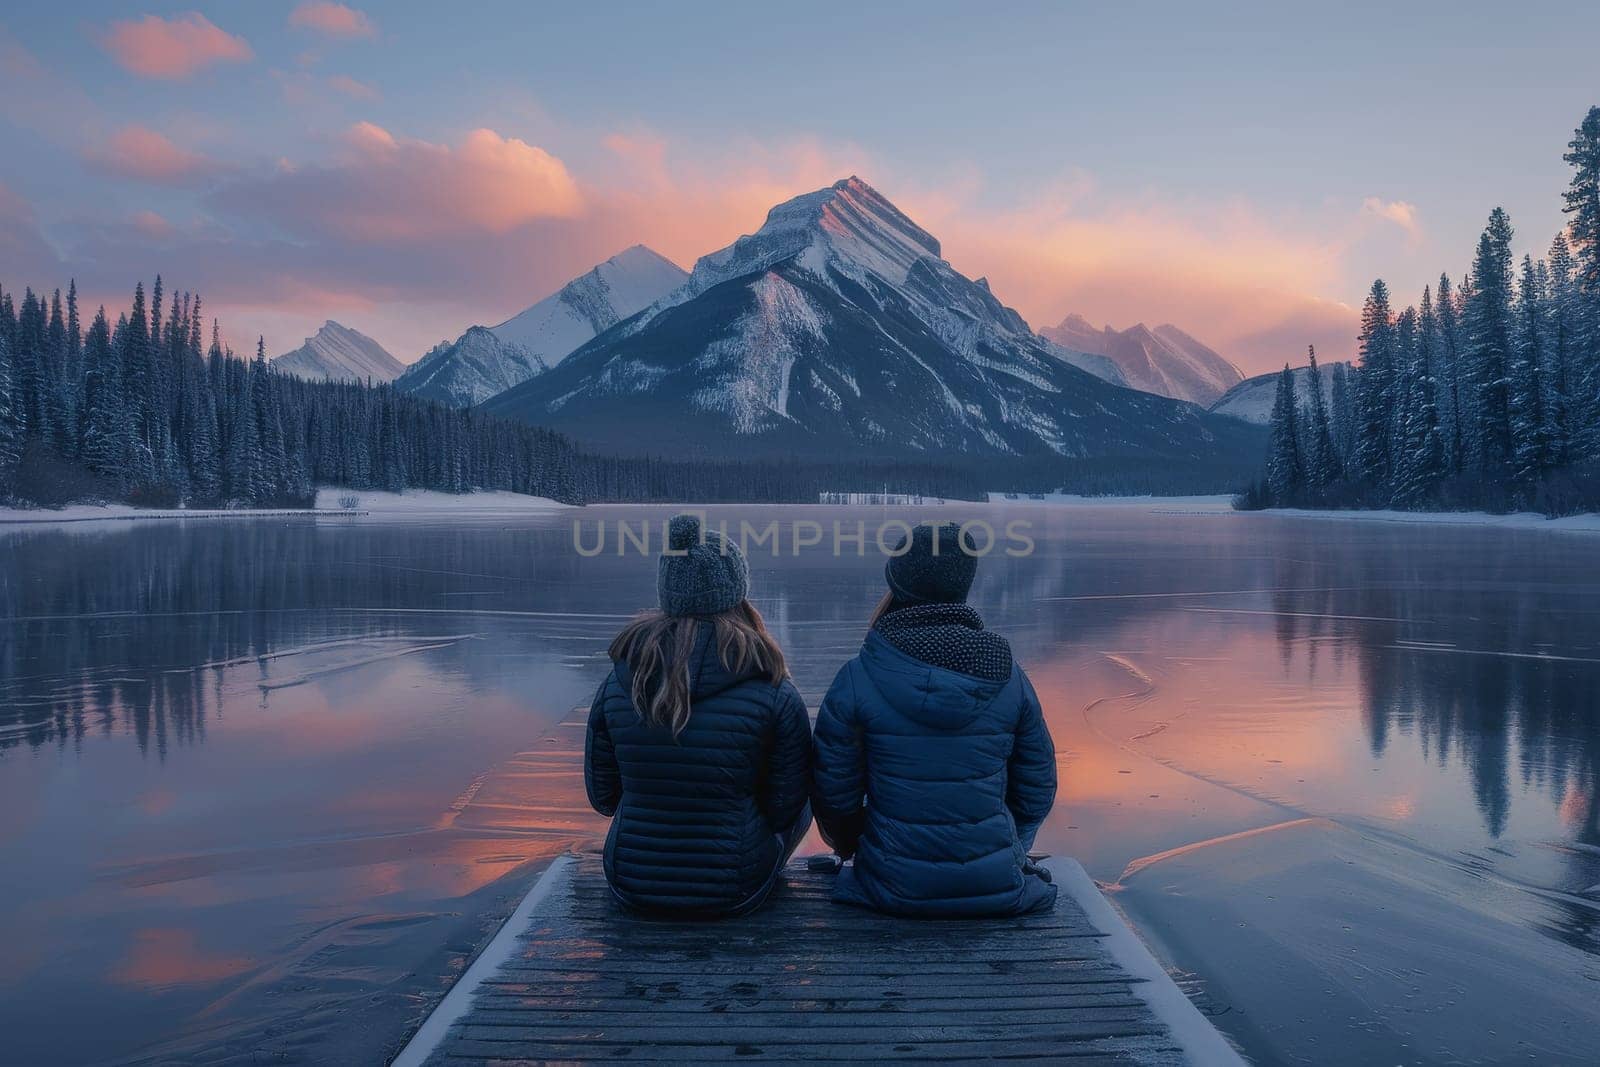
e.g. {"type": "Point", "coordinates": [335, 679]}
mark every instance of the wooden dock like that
{"type": "Point", "coordinates": [573, 978]}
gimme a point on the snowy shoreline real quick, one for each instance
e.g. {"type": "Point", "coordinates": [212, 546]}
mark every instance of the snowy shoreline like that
{"type": "Point", "coordinates": [1520, 520]}
{"type": "Point", "coordinates": [1222, 505]}
{"type": "Point", "coordinates": [369, 504]}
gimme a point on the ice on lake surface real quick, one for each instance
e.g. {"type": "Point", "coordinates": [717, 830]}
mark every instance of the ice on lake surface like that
{"type": "Point", "coordinates": [266, 784]}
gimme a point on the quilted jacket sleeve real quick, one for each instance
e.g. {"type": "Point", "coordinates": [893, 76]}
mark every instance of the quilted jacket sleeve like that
{"type": "Point", "coordinates": [601, 778]}
{"type": "Point", "coordinates": [839, 766]}
{"type": "Point", "coordinates": [1031, 773]}
{"type": "Point", "coordinates": [788, 776]}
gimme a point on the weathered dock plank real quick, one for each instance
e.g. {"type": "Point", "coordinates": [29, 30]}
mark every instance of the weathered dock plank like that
{"type": "Point", "coordinates": [574, 978]}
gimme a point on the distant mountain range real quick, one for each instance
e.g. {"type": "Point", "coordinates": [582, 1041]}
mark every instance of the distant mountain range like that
{"type": "Point", "coordinates": [1252, 399]}
{"type": "Point", "coordinates": [338, 353]}
{"type": "Point", "coordinates": [838, 329]}
{"type": "Point", "coordinates": [1165, 360]}
{"type": "Point", "coordinates": [491, 359]}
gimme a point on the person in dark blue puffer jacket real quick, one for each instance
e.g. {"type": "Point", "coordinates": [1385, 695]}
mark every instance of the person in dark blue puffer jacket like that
{"type": "Point", "coordinates": [933, 767]}
{"type": "Point", "coordinates": [698, 745]}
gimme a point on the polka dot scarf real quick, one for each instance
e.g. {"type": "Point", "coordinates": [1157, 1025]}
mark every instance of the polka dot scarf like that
{"type": "Point", "coordinates": [950, 636]}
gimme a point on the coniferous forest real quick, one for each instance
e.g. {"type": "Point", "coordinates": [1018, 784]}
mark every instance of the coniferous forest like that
{"type": "Point", "coordinates": [144, 411]}
{"type": "Point", "coordinates": [141, 410]}
{"type": "Point", "coordinates": [1483, 395]}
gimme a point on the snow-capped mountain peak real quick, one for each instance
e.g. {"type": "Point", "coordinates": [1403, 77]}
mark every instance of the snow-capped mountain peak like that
{"type": "Point", "coordinates": [837, 328]}
{"type": "Point", "coordinates": [593, 302]}
{"type": "Point", "coordinates": [1166, 360]}
{"type": "Point", "coordinates": [338, 353]}
{"type": "Point", "coordinates": [489, 360]}
{"type": "Point", "coordinates": [847, 224]}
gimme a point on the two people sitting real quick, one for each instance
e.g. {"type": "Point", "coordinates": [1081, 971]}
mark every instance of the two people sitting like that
{"type": "Point", "coordinates": [931, 767]}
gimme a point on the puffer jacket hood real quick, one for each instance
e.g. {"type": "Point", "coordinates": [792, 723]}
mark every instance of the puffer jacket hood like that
{"type": "Point", "coordinates": [935, 782]}
{"type": "Point", "coordinates": [936, 697]}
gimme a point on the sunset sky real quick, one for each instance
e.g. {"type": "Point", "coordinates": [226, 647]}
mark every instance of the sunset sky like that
{"type": "Point", "coordinates": [411, 169]}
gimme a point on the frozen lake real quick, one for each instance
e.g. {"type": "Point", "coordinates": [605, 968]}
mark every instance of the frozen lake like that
{"type": "Point", "coordinates": [265, 784]}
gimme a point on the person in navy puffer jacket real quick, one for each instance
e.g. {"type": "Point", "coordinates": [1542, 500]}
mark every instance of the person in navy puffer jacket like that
{"type": "Point", "coordinates": [933, 767]}
{"type": "Point", "coordinates": [698, 745]}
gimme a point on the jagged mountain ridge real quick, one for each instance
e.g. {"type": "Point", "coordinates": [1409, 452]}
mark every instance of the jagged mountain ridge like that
{"type": "Point", "coordinates": [338, 353]}
{"type": "Point", "coordinates": [1166, 360]}
{"type": "Point", "coordinates": [486, 360]}
{"type": "Point", "coordinates": [837, 328]}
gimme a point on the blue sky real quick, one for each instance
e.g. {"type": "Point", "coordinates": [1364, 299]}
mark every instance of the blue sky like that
{"type": "Point", "coordinates": [1243, 173]}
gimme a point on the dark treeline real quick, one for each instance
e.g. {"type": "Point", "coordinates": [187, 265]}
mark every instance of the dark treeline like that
{"type": "Point", "coordinates": [142, 410]}
{"type": "Point", "coordinates": [1483, 395]}
{"type": "Point", "coordinates": [139, 410]}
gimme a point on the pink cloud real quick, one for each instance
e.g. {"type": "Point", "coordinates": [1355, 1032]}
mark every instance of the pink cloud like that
{"type": "Point", "coordinates": [145, 155]}
{"type": "Point", "coordinates": [154, 47]}
{"type": "Point", "coordinates": [350, 87]}
{"type": "Point", "coordinates": [1399, 212]}
{"type": "Point", "coordinates": [412, 241]}
{"type": "Point", "coordinates": [386, 189]}
{"type": "Point", "coordinates": [1245, 283]}
{"type": "Point", "coordinates": [151, 225]}
{"type": "Point", "coordinates": [336, 20]}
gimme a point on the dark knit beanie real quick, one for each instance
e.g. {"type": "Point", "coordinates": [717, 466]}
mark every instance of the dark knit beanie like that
{"type": "Point", "coordinates": [702, 573]}
{"type": "Point", "coordinates": [918, 575]}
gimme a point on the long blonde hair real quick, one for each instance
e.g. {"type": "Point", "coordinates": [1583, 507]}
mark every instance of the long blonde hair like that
{"type": "Point", "coordinates": [656, 647]}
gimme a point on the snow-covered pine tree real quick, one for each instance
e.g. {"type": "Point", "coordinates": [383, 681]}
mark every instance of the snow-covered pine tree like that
{"type": "Point", "coordinates": [1343, 415]}
{"type": "Point", "coordinates": [72, 377]}
{"type": "Point", "coordinates": [1420, 462]}
{"type": "Point", "coordinates": [1375, 400]}
{"type": "Point", "coordinates": [62, 438]}
{"type": "Point", "coordinates": [1530, 443]}
{"type": "Point", "coordinates": [1582, 206]}
{"type": "Point", "coordinates": [266, 466]}
{"type": "Point", "coordinates": [1285, 470]}
{"type": "Point", "coordinates": [10, 423]}
{"type": "Point", "coordinates": [1322, 466]}
{"type": "Point", "coordinates": [138, 375]}
{"type": "Point", "coordinates": [1561, 363]}
{"type": "Point", "coordinates": [106, 438]}
{"type": "Point", "coordinates": [1488, 322]}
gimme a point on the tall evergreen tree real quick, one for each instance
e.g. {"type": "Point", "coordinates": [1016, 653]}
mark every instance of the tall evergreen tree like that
{"type": "Point", "coordinates": [1322, 465]}
{"type": "Point", "coordinates": [10, 420]}
{"type": "Point", "coordinates": [1375, 401]}
{"type": "Point", "coordinates": [1420, 461]}
{"type": "Point", "coordinates": [1531, 445]}
{"type": "Point", "coordinates": [1285, 470]}
{"type": "Point", "coordinates": [1582, 206]}
{"type": "Point", "coordinates": [106, 443]}
{"type": "Point", "coordinates": [1488, 323]}
{"type": "Point", "coordinates": [1563, 369]}
{"type": "Point", "coordinates": [1343, 401]}
{"type": "Point", "coordinates": [1582, 198]}
{"type": "Point", "coordinates": [1457, 410]}
{"type": "Point", "coordinates": [267, 461]}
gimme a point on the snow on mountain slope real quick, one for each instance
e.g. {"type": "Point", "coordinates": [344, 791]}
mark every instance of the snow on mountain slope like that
{"type": "Point", "coordinates": [468, 370]}
{"type": "Point", "coordinates": [626, 283]}
{"type": "Point", "coordinates": [1252, 399]}
{"type": "Point", "coordinates": [338, 353]}
{"type": "Point", "coordinates": [837, 329]}
{"type": "Point", "coordinates": [488, 360]}
{"type": "Point", "coordinates": [1166, 360]}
